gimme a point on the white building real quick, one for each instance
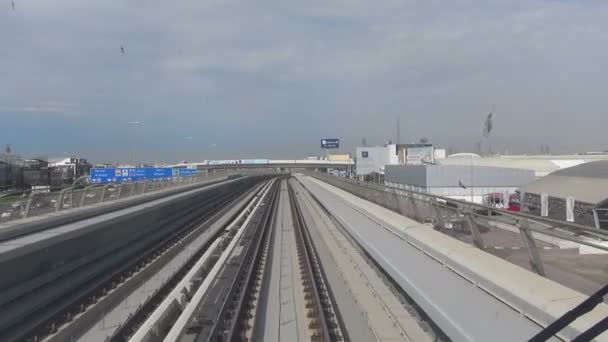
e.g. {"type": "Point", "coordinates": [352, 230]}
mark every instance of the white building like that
{"type": "Point", "coordinates": [374, 159]}
{"type": "Point", "coordinates": [542, 165]}
{"type": "Point", "coordinates": [70, 167]}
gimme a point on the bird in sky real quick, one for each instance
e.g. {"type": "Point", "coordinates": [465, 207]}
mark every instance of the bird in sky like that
{"type": "Point", "coordinates": [122, 49]}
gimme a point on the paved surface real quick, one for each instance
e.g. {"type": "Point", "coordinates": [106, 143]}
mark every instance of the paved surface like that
{"type": "Point", "coordinates": [370, 311]}
{"type": "Point", "coordinates": [563, 264]}
{"type": "Point", "coordinates": [9, 248]}
{"type": "Point", "coordinates": [464, 311]}
{"type": "Point", "coordinates": [497, 238]}
{"type": "Point", "coordinates": [284, 314]}
{"type": "Point", "coordinates": [584, 273]}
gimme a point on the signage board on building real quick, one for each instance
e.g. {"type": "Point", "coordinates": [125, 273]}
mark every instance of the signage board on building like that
{"type": "Point", "coordinates": [130, 174]}
{"type": "Point", "coordinates": [419, 154]}
{"type": "Point", "coordinates": [330, 143]}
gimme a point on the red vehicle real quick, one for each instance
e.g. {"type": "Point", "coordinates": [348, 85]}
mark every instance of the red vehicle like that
{"type": "Point", "coordinates": [496, 200]}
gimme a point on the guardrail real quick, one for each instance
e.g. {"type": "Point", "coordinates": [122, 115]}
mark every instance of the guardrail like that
{"type": "Point", "coordinates": [451, 215]}
{"type": "Point", "coordinates": [39, 203]}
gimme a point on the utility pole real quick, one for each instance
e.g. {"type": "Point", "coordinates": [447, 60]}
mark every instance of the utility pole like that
{"type": "Point", "coordinates": [9, 166]}
{"type": "Point", "coordinates": [398, 130]}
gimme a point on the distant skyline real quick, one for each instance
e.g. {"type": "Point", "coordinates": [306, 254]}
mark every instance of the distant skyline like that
{"type": "Point", "coordinates": [232, 79]}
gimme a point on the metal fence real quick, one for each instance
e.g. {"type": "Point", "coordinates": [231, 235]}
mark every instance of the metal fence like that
{"type": "Point", "coordinates": [482, 226]}
{"type": "Point", "coordinates": [40, 203]}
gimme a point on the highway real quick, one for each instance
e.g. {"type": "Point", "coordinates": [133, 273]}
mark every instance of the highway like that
{"type": "Point", "coordinates": [265, 257]}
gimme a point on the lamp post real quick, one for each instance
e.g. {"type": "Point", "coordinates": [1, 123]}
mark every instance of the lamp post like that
{"type": "Point", "coordinates": [132, 140]}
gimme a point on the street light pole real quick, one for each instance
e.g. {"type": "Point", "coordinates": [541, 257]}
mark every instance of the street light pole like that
{"type": "Point", "coordinates": [132, 139]}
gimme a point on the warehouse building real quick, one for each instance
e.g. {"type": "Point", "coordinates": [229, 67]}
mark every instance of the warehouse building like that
{"type": "Point", "coordinates": [576, 194]}
{"type": "Point", "coordinates": [542, 165]}
{"type": "Point", "coordinates": [469, 183]}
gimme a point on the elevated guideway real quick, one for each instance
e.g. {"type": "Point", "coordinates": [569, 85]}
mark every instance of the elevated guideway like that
{"type": "Point", "coordinates": [469, 294]}
{"type": "Point", "coordinates": [269, 257]}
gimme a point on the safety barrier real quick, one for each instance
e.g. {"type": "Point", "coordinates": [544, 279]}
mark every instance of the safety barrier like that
{"type": "Point", "coordinates": [40, 203]}
{"type": "Point", "coordinates": [450, 215]}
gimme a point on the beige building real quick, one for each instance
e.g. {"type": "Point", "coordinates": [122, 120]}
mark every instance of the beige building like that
{"type": "Point", "coordinates": [338, 157]}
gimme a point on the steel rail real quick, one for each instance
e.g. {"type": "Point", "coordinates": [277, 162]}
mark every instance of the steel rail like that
{"type": "Point", "coordinates": [226, 327]}
{"type": "Point", "coordinates": [324, 307]}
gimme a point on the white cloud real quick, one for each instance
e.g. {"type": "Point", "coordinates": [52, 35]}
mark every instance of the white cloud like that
{"type": "Point", "coordinates": [227, 66]}
{"type": "Point", "coordinates": [45, 107]}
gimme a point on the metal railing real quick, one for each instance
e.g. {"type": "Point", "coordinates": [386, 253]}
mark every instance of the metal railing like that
{"type": "Point", "coordinates": [469, 221]}
{"type": "Point", "coordinates": [40, 203]}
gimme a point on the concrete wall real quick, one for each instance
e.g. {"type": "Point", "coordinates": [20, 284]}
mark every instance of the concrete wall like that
{"type": "Point", "coordinates": [451, 175]}
{"type": "Point", "coordinates": [416, 210]}
{"type": "Point", "coordinates": [413, 175]}
{"type": "Point", "coordinates": [443, 180]}
{"type": "Point", "coordinates": [478, 176]}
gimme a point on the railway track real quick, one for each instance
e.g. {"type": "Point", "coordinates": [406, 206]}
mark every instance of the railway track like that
{"type": "Point", "coordinates": [129, 327]}
{"type": "Point", "coordinates": [231, 324]}
{"type": "Point", "coordinates": [92, 281]}
{"type": "Point", "coordinates": [319, 301]}
{"type": "Point", "coordinates": [321, 321]}
{"type": "Point", "coordinates": [259, 263]}
{"type": "Point", "coordinates": [389, 310]}
{"type": "Point", "coordinates": [207, 306]}
{"type": "Point", "coordinates": [226, 306]}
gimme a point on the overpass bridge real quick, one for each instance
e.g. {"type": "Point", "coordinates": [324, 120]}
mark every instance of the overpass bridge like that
{"type": "Point", "coordinates": [270, 256]}
{"type": "Point", "coordinates": [266, 163]}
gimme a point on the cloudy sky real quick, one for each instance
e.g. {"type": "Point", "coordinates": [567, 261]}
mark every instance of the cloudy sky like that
{"type": "Point", "coordinates": [204, 79]}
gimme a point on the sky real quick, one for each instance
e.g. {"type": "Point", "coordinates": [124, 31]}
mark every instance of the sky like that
{"type": "Point", "coordinates": [212, 79]}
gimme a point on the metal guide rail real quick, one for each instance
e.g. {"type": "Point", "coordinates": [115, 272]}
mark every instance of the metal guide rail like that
{"type": "Point", "coordinates": [135, 321]}
{"type": "Point", "coordinates": [182, 312]}
{"type": "Point", "coordinates": [47, 310]}
{"type": "Point", "coordinates": [239, 275]}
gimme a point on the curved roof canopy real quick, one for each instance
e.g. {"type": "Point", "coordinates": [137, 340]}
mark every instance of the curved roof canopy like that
{"type": "Point", "coordinates": [586, 182]}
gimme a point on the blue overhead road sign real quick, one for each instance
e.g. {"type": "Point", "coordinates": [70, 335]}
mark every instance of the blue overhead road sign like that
{"type": "Point", "coordinates": [130, 174]}
{"type": "Point", "coordinates": [187, 172]}
{"type": "Point", "coordinates": [330, 143]}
